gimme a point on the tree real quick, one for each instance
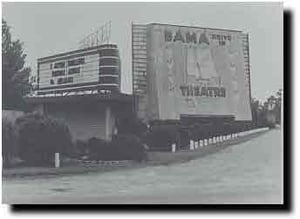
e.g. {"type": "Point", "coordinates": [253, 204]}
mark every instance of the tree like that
{"type": "Point", "coordinates": [15, 75]}
{"type": "Point", "coordinates": [9, 149]}
{"type": "Point", "coordinates": [255, 110]}
{"type": "Point", "coordinates": [278, 102]}
{"type": "Point", "coordinates": [39, 137]}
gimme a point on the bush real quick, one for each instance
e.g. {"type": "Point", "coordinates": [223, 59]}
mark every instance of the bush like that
{"type": "Point", "coordinates": [270, 125]}
{"type": "Point", "coordinates": [39, 137]}
{"type": "Point", "coordinates": [9, 146]}
{"type": "Point", "coordinates": [161, 137]}
{"type": "Point", "coordinates": [131, 126]}
{"type": "Point", "coordinates": [122, 147]}
{"type": "Point", "coordinates": [128, 147]}
{"type": "Point", "coordinates": [80, 148]}
{"type": "Point", "coordinates": [99, 149]}
{"type": "Point", "coordinates": [196, 132]}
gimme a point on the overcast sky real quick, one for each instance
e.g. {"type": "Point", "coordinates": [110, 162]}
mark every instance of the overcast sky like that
{"type": "Point", "coordinates": [50, 28]}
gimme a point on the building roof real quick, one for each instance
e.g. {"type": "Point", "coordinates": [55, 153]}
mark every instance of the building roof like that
{"type": "Point", "coordinates": [208, 28]}
{"type": "Point", "coordinates": [76, 52]}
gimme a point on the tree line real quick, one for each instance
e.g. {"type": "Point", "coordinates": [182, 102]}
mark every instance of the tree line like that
{"type": "Point", "coordinates": [267, 112]}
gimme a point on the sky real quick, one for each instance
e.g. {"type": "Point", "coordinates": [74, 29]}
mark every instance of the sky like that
{"type": "Point", "coordinates": [50, 28]}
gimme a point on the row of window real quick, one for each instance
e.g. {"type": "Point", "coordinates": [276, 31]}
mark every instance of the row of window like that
{"type": "Point", "coordinates": [76, 70]}
{"type": "Point", "coordinates": [62, 64]}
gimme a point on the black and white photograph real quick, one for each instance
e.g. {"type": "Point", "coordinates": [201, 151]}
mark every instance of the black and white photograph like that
{"type": "Point", "coordinates": [142, 103]}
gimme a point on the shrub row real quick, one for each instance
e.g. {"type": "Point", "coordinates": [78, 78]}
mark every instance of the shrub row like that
{"type": "Point", "coordinates": [161, 137]}
{"type": "Point", "coordinates": [35, 138]}
{"type": "Point", "coordinates": [204, 131]}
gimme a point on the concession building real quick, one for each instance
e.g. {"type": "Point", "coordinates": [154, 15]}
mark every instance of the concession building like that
{"type": "Point", "coordinates": [82, 88]}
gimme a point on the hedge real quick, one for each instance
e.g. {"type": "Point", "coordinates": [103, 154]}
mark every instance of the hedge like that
{"type": "Point", "coordinates": [39, 137]}
{"type": "Point", "coordinates": [122, 147]}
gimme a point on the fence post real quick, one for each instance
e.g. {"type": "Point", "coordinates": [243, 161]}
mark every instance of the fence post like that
{"type": "Point", "coordinates": [205, 142]}
{"type": "Point", "coordinates": [191, 145]}
{"type": "Point", "coordinates": [173, 148]}
{"type": "Point", "coordinates": [214, 140]}
{"type": "Point", "coordinates": [196, 144]}
{"type": "Point", "coordinates": [57, 160]}
{"type": "Point", "coordinates": [201, 143]}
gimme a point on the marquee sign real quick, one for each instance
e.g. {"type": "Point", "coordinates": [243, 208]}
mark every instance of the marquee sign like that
{"type": "Point", "coordinates": [69, 71]}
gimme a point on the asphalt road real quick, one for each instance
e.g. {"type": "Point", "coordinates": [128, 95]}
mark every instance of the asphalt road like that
{"type": "Point", "coordinates": [250, 172]}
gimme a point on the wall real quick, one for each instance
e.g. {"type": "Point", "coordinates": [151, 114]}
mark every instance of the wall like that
{"type": "Point", "coordinates": [84, 120]}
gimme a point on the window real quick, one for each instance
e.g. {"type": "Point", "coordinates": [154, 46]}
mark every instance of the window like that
{"type": "Point", "coordinates": [59, 65]}
{"type": "Point", "coordinates": [58, 73]}
{"type": "Point", "coordinates": [72, 71]}
{"type": "Point", "coordinates": [75, 62]}
{"type": "Point", "coordinates": [109, 80]}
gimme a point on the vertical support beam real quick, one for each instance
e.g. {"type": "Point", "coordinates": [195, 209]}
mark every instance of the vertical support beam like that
{"type": "Point", "coordinates": [107, 122]}
{"type": "Point", "coordinates": [40, 108]}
